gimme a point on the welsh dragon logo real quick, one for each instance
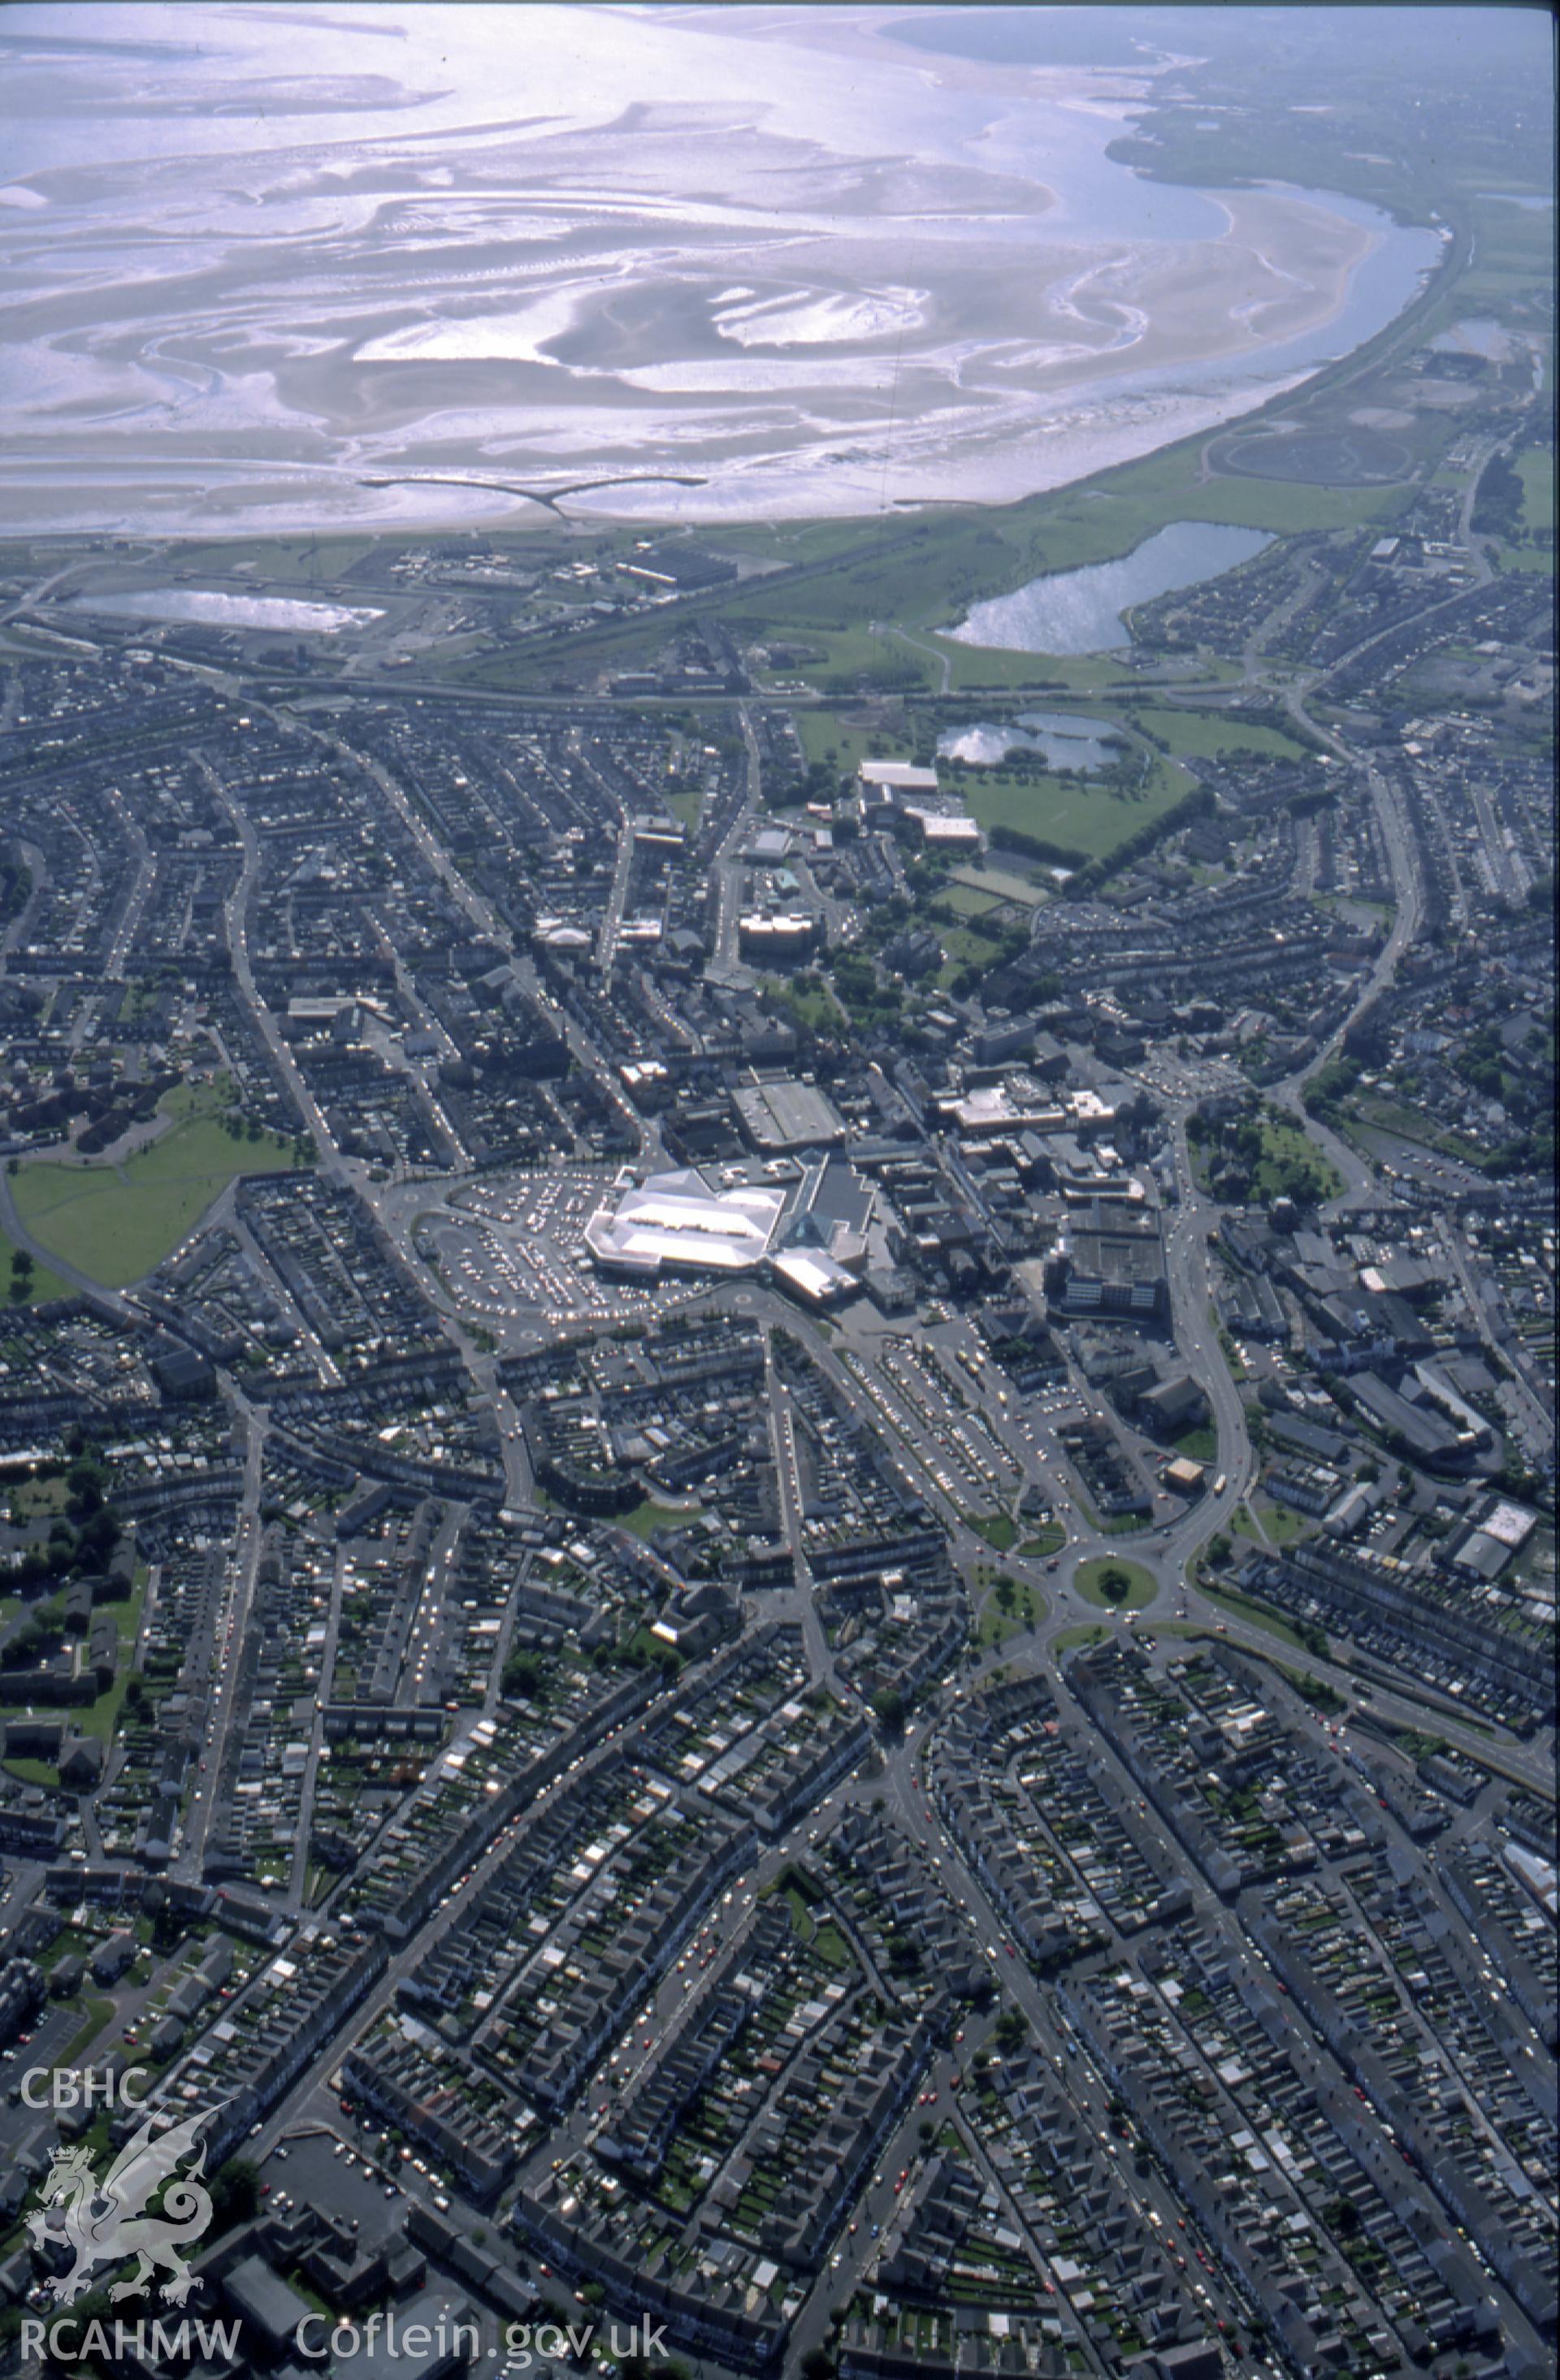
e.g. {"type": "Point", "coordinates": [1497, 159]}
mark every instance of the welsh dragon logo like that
{"type": "Point", "coordinates": [105, 2222]}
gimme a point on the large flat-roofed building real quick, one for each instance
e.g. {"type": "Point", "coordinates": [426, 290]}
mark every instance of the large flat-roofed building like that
{"type": "Point", "coordinates": [682, 569]}
{"type": "Point", "coordinates": [896, 777]}
{"type": "Point", "coordinates": [1110, 1261]}
{"type": "Point", "coordinates": [1018, 1104]}
{"type": "Point", "coordinates": [675, 1223]}
{"type": "Point", "coordinates": [786, 1114]}
{"type": "Point", "coordinates": [813, 1277]}
{"type": "Point", "coordinates": [949, 828]}
{"type": "Point", "coordinates": [769, 934]}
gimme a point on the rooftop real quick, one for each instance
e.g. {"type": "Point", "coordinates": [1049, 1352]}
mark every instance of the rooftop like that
{"type": "Point", "coordinates": [901, 776]}
{"type": "Point", "coordinates": [787, 1114]}
{"type": "Point", "coordinates": [675, 1221]}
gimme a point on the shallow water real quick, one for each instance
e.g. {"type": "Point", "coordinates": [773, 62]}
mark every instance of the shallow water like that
{"type": "Point", "coordinates": [548, 246]}
{"type": "Point", "coordinates": [229, 611]}
{"type": "Point", "coordinates": [1066, 739]}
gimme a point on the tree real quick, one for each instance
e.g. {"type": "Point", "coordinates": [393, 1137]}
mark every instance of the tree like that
{"type": "Point", "coordinates": [97, 1537]}
{"type": "Point", "coordinates": [904, 1954]}
{"type": "Point", "coordinates": [1114, 1584]}
{"type": "Point", "coordinates": [84, 1486]}
{"type": "Point", "coordinates": [524, 1677]}
{"type": "Point", "coordinates": [888, 1706]}
{"type": "Point", "coordinates": [235, 2189]}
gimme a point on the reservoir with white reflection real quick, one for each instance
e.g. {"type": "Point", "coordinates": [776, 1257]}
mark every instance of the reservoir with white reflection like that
{"type": "Point", "coordinates": [230, 611]}
{"type": "Point", "coordinates": [1082, 610]}
{"type": "Point", "coordinates": [1066, 739]}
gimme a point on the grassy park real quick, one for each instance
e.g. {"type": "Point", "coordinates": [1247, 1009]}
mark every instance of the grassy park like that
{"type": "Point", "coordinates": [1008, 1611]}
{"type": "Point", "coordinates": [115, 1221]}
{"type": "Point", "coordinates": [644, 1518]}
{"type": "Point", "coordinates": [1284, 1146]}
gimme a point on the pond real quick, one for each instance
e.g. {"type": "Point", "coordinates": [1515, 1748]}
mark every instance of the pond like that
{"type": "Point", "coordinates": [1081, 610]}
{"type": "Point", "coordinates": [1068, 740]}
{"type": "Point", "coordinates": [229, 611]}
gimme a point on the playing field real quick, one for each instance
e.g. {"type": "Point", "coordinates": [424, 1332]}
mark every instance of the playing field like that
{"type": "Point", "coordinates": [998, 884]}
{"type": "Point", "coordinates": [964, 901]}
{"type": "Point", "coordinates": [118, 1221]}
{"type": "Point", "coordinates": [1084, 820]}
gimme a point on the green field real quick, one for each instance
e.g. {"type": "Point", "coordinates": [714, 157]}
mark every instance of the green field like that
{"type": "Point", "coordinates": [825, 736]}
{"type": "Point", "coordinates": [1210, 733]}
{"type": "Point", "coordinates": [1279, 1523]}
{"type": "Point", "coordinates": [686, 805]}
{"type": "Point", "coordinates": [261, 559]}
{"type": "Point", "coordinates": [978, 667]}
{"type": "Point", "coordinates": [1536, 548]}
{"type": "Point", "coordinates": [1537, 467]}
{"type": "Point", "coordinates": [786, 541]}
{"type": "Point", "coordinates": [116, 1222]}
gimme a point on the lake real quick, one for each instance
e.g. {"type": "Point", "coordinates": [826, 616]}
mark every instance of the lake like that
{"type": "Point", "coordinates": [1068, 740]}
{"type": "Point", "coordinates": [1082, 610]}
